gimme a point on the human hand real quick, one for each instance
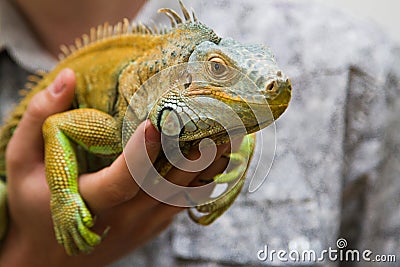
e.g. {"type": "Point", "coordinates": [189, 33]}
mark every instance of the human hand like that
{"type": "Point", "coordinates": [111, 194]}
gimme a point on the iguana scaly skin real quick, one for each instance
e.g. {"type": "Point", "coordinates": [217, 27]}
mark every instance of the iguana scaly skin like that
{"type": "Point", "coordinates": [111, 64]}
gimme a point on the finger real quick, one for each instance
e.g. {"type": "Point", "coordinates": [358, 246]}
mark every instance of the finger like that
{"type": "Point", "coordinates": [142, 202]}
{"type": "Point", "coordinates": [163, 212]}
{"type": "Point", "coordinates": [208, 174]}
{"type": "Point", "coordinates": [115, 185]}
{"type": "Point", "coordinates": [200, 179]}
{"type": "Point", "coordinates": [183, 178]}
{"type": "Point", "coordinates": [204, 178]}
{"type": "Point", "coordinates": [25, 148]}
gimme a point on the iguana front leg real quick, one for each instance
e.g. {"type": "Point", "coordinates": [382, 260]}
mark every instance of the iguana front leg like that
{"type": "Point", "coordinates": [241, 160]}
{"type": "Point", "coordinates": [96, 132]}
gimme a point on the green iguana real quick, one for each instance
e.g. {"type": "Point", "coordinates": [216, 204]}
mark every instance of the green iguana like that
{"type": "Point", "coordinates": [111, 64]}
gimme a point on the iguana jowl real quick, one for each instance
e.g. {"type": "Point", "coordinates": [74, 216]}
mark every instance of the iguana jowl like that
{"type": "Point", "coordinates": [111, 64]}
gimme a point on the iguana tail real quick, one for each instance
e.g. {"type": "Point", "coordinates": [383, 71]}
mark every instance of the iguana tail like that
{"type": "Point", "coordinates": [7, 130]}
{"type": "Point", "coordinates": [3, 210]}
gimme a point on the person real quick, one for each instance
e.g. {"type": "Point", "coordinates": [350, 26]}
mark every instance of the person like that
{"type": "Point", "coordinates": [111, 193]}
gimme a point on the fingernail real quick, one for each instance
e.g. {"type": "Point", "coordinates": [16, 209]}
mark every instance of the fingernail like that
{"type": "Point", "coordinates": [151, 134]}
{"type": "Point", "coordinates": [57, 86]}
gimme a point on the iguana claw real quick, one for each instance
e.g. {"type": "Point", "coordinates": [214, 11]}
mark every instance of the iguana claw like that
{"type": "Point", "coordinates": [72, 221]}
{"type": "Point", "coordinates": [240, 159]}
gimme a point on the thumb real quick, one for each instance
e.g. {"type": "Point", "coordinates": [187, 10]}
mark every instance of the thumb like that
{"type": "Point", "coordinates": [25, 148]}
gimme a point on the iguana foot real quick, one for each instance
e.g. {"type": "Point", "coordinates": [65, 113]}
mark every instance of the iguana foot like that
{"type": "Point", "coordinates": [240, 160]}
{"type": "Point", "coordinates": [213, 210]}
{"type": "Point", "coordinates": [72, 221]}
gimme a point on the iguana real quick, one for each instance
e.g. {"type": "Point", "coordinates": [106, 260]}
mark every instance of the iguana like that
{"type": "Point", "coordinates": [111, 65]}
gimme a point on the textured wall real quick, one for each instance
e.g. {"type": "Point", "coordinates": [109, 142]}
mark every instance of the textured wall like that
{"type": "Point", "coordinates": [383, 12]}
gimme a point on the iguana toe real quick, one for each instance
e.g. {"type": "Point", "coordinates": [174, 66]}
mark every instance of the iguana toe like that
{"type": "Point", "coordinates": [71, 224]}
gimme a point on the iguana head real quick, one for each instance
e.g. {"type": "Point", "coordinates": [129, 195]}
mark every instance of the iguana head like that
{"type": "Point", "coordinates": [224, 80]}
{"type": "Point", "coordinates": [235, 73]}
{"type": "Point", "coordinates": [227, 85]}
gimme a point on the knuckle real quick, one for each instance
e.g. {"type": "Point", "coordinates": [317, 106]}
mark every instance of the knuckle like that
{"type": "Point", "coordinates": [118, 191]}
{"type": "Point", "coordinates": [12, 159]}
{"type": "Point", "coordinates": [37, 106]}
{"type": "Point", "coordinates": [116, 194]}
{"type": "Point", "coordinates": [15, 163]}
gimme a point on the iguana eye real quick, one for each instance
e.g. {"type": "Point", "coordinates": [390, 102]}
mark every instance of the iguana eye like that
{"type": "Point", "coordinates": [218, 67]}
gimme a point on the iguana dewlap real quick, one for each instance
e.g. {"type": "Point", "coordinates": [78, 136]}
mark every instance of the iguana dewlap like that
{"type": "Point", "coordinates": [111, 65]}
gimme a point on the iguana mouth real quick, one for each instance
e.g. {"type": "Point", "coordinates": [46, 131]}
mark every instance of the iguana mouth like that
{"type": "Point", "coordinates": [217, 92]}
{"type": "Point", "coordinates": [221, 135]}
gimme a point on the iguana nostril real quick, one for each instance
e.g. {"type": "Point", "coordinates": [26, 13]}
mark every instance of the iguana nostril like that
{"type": "Point", "coordinates": [277, 86]}
{"type": "Point", "coordinates": [289, 83]}
{"type": "Point", "coordinates": [270, 86]}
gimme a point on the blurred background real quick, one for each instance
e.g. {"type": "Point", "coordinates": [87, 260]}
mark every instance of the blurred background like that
{"type": "Point", "coordinates": [337, 162]}
{"type": "Point", "coordinates": [384, 12]}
